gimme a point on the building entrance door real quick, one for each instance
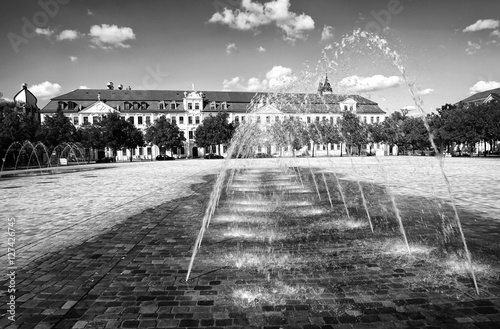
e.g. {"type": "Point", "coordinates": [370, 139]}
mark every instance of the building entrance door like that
{"type": "Point", "coordinates": [195, 152]}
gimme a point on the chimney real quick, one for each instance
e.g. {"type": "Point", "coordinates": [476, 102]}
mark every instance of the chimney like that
{"type": "Point", "coordinates": [110, 85]}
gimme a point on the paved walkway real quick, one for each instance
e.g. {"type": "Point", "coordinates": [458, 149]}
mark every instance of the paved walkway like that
{"type": "Point", "coordinates": [324, 274]}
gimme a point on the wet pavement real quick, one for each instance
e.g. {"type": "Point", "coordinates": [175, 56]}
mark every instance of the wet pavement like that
{"type": "Point", "coordinates": [110, 248]}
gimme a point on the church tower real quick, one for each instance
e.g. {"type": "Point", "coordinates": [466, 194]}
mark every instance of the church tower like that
{"type": "Point", "coordinates": [325, 88]}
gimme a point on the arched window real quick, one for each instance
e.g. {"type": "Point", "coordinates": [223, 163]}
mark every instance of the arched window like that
{"type": "Point", "coordinates": [127, 106]}
{"type": "Point", "coordinates": [144, 106]}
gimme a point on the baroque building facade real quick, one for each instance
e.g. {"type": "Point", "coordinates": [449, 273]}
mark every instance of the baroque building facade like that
{"type": "Point", "coordinates": [188, 109]}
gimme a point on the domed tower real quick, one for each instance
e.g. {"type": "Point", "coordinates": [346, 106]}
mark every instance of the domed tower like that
{"type": "Point", "coordinates": [27, 101]}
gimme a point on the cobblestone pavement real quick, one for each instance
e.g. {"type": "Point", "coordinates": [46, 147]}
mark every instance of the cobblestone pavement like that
{"type": "Point", "coordinates": [278, 253]}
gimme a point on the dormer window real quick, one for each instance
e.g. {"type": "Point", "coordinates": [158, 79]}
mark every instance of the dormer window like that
{"type": "Point", "coordinates": [61, 105]}
{"type": "Point", "coordinates": [224, 105]}
{"type": "Point", "coordinates": [173, 106]}
{"type": "Point", "coordinates": [127, 106]}
{"type": "Point", "coordinates": [136, 106]}
{"type": "Point", "coordinates": [144, 106]}
{"type": "Point", "coordinates": [71, 105]}
{"type": "Point", "coordinates": [212, 106]}
{"type": "Point", "coordinates": [161, 106]}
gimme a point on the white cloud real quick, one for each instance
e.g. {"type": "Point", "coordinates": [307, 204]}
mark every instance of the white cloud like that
{"type": "Point", "coordinates": [252, 15]}
{"type": "Point", "coordinates": [73, 58]}
{"type": "Point", "coordinates": [261, 49]}
{"type": "Point", "coordinates": [231, 48]}
{"type": "Point", "coordinates": [90, 12]}
{"type": "Point", "coordinates": [47, 32]}
{"type": "Point", "coordinates": [483, 24]}
{"type": "Point", "coordinates": [427, 91]}
{"type": "Point", "coordinates": [45, 89]}
{"type": "Point", "coordinates": [495, 33]}
{"type": "Point", "coordinates": [278, 77]}
{"type": "Point", "coordinates": [327, 33]}
{"type": "Point", "coordinates": [473, 47]}
{"type": "Point", "coordinates": [376, 82]}
{"type": "Point", "coordinates": [483, 86]}
{"type": "Point", "coordinates": [83, 87]}
{"type": "Point", "coordinates": [68, 35]}
{"type": "Point", "coordinates": [110, 36]}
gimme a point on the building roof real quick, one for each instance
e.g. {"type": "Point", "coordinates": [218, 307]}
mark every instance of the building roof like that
{"type": "Point", "coordinates": [480, 96]}
{"type": "Point", "coordinates": [237, 101]}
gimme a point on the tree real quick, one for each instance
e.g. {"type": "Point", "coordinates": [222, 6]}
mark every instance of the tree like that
{"type": "Point", "coordinates": [119, 133]}
{"type": "Point", "coordinates": [324, 132]}
{"type": "Point", "coordinates": [134, 138]}
{"type": "Point", "coordinates": [164, 134]}
{"type": "Point", "coordinates": [91, 136]}
{"type": "Point", "coordinates": [214, 130]}
{"type": "Point", "coordinates": [354, 132]}
{"type": "Point", "coordinates": [57, 129]}
{"type": "Point", "coordinates": [15, 125]}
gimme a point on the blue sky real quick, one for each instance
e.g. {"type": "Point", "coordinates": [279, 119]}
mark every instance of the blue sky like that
{"type": "Point", "coordinates": [449, 48]}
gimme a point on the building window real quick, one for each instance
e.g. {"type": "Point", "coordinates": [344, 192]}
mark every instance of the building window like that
{"type": "Point", "coordinates": [197, 120]}
{"type": "Point", "coordinates": [190, 106]}
{"type": "Point", "coordinates": [133, 152]}
{"type": "Point", "coordinates": [224, 106]}
{"type": "Point", "coordinates": [196, 106]}
{"type": "Point", "coordinates": [139, 120]}
{"type": "Point", "coordinates": [173, 106]}
{"type": "Point", "coordinates": [71, 105]}
{"type": "Point", "coordinates": [181, 120]}
{"type": "Point", "coordinates": [136, 106]}
{"type": "Point", "coordinates": [277, 119]}
{"type": "Point", "coordinates": [371, 119]}
{"type": "Point", "coordinates": [95, 119]}
{"type": "Point", "coordinates": [345, 107]}
{"type": "Point", "coordinates": [124, 152]}
{"type": "Point", "coordinates": [308, 119]}
{"type": "Point", "coordinates": [131, 120]}
{"type": "Point", "coordinates": [377, 119]}
{"type": "Point", "coordinates": [324, 118]}
{"type": "Point", "coordinates": [317, 119]}
{"type": "Point", "coordinates": [148, 120]}
{"type": "Point", "coordinates": [190, 120]}
{"type": "Point", "coordinates": [351, 108]}
{"type": "Point", "coordinates": [212, 106]}
{"type": "Point", "coordinates": [258, 119]}
{"type": "Point", "coordinates": [174, 120]}
{"type": "Point", "coordinates": [242, 118]}
{"type": "Point", "coordinates": [161, 106]}
{"type": "Point", "coordinates": [75, 121]}
{"type": "Point", "coordinates": [237, 119]}
{"type": "Point", "coordinates": [364, 119]}
{"type": "Point", "coordinates": [268, 119]}
{"type": "Point", "coordinates": [122, 117]}
{"type": "Point", "coordinates": [190, 134]}
{"type": "Point", "coordinates": [144, 106]}
{"type": "Point", "coordinates": [127, 106]}
{"type": "Point", "coordinates": [150, 151]}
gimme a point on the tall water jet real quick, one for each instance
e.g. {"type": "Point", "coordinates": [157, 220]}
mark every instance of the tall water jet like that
{"type": "Point", "coordinates": [342, 195]}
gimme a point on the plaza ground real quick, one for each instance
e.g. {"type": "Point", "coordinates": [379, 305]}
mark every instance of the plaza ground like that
{"type": "Point", "coordinates": [109, 247]}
